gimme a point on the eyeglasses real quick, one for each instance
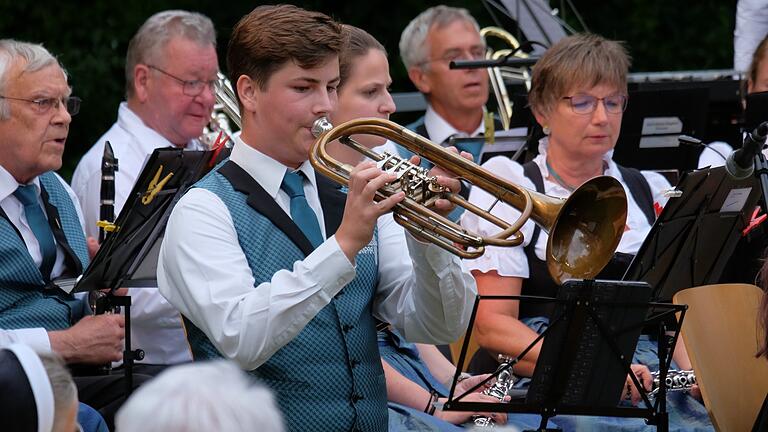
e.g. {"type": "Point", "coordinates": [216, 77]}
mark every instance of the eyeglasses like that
{"type": "Point", "coordinates": [189, 88]}
{"type": "Point", "coordinates": [44, 105]}
{"type": "Point", "coordinates": [474, 53]}
{"type": "Point", "coordinates": [586, 104]}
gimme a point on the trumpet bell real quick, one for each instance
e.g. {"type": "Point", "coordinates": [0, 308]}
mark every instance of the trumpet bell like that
{"type": "Point", "coordinates": [587, 230]}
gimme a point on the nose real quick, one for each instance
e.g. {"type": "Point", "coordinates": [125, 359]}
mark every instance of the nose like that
{"type": "Point", "coordinates": [388, 107]}
{"type": "Point", "coordinates": [60, 114]}
{"type": "Point", "coordinates": [208, 96]}
{"type": "Point", "coordinates": [600, 115]}
{"type": "Point", "coordinates": [325, 102]}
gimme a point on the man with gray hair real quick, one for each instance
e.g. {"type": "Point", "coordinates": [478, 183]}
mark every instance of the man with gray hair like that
{"type": "Point", "coordinates": [41, 228]}
{"type": "Point", "coordinates": [201, 396]}
{"type": "Point", "coordinates": [455, 98]}
{"type": "Point", "coordinates": [170, 71]}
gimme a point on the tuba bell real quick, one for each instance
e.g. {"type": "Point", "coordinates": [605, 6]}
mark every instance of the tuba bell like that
{"type": "Point", "coordinates": [584, 230]}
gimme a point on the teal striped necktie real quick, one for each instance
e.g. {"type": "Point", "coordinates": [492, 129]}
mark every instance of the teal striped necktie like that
{"type": "Point", "coordinates": [37, 221]}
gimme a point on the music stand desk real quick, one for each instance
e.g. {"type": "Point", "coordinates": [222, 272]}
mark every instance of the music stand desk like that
{"type": "Point", "coordinates": [559, 384]}
{"type": "Point", "coordinates": [696, 233]}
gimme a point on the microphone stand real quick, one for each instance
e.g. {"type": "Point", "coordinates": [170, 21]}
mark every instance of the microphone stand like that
{"type": "Point", "coordinates": [761, 172]}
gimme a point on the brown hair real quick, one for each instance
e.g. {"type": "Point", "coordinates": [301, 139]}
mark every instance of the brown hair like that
{"type": "Point", "coordinates": [762, 314]}
{"type": "Point", "coordinates": [574, 61]}
{"type": "Point", "coordinates": [270, 36]}
{"type": "Point", "coordinates": [357, 43]}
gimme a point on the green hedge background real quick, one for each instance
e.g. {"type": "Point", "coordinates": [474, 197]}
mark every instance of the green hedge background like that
{"type": "Point", "coordinates": [90, 38]}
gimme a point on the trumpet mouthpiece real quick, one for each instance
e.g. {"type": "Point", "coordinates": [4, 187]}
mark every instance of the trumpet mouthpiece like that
{"type": "Point", "coordinates": [321, 126]}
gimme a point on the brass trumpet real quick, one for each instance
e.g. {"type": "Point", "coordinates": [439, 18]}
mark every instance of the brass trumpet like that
{"type": "Point", "coordinates": [585, 229]}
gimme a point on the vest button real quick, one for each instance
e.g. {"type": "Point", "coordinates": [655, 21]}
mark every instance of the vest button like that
{"type": "Point", "coordinates": [346, 328]}
{"type": "Point", "coordinates": [356, 397]}
{"type": "Point", "coordinates": [355, 362]}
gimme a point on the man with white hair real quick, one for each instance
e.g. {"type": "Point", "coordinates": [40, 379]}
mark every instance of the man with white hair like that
{"type": "Point", "coordinates": [170, 70]}
{"type": "Point", "coordinates": [203, 396]}
{"type": "Point", "coordinates": [41, 228]}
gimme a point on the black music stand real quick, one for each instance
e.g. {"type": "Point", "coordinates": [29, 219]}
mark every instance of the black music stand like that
{"type": "Point", "coordinates": [696, 233]}
{"type": "Point", "coordinates": [652, 123]}
{"type": "Point", "coordinates": [595, 327]}
{"type": "Point", "coordinates": [128, 256]}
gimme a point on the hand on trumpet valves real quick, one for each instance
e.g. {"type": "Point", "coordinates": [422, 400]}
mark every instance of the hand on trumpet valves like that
{"type": "Point", "coordinates": [445, 178]}
{"type": "Point", "coordinates": [361, 211]}
{"type": "Point", "coordinates": [643, 375]}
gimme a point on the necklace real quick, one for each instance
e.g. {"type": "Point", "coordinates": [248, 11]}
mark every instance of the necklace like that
{"type": "Point", "coordinates": [560, 180]}
{"type": "Point", "coordinates": [557, 177]}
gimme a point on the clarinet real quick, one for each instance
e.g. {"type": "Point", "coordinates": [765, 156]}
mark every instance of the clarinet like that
{"type": "Point", "coordinates": [107, 203]}
{"type": "Point", "coordinates": [500, 389]}
{"type": "Point", "coordinates": [98, 300]}
{"type": "Point", "coordinates": [677, 380]}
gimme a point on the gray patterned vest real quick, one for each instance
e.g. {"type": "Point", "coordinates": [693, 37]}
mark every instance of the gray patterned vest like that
{"type": "Point", "coordinates": [25, 301]}
{"type": "Point", "coordinates": [329, 377]}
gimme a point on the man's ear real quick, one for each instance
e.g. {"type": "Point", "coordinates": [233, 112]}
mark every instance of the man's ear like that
{"type": "Point", "coordinates": [248, 93]}
{"type": "Point", "coordinates": [420, 79]}
{"type": "Point", "coordinates": [141, 82]}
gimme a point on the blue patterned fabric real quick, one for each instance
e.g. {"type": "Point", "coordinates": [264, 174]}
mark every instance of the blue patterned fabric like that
{"type": "Point", "coordinates": [685, 412]}
{"type": "Point", "coordinates": [329, 377]}
{"type": "Point", "coordinates": [38, 223]}
{"type": "Point", "coordinates": [24, 302]}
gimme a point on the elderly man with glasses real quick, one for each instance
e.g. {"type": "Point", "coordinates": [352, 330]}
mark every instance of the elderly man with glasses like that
{"type": "Point", "coordinates": [41, 227]}
{"type": "Point", "coordinates": [170, 71]}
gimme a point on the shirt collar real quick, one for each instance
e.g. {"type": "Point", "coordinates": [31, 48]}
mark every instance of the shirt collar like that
{"type": "Point", "coordinates": [148, 138]}
{"type": "Point", "coordinates": [8, 184]}
{"type": "Point", "coordinates": [266, 171]}
{"type": "Point", "coordinates": [440, 130]}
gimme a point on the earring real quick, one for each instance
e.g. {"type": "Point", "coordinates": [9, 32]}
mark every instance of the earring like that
{"type": "Point", "coordinates": [546, 130]}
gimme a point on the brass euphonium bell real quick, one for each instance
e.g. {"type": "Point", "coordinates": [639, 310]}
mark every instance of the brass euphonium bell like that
{"type": "Point", "coordinates": [584, 230]}
{"type": "Point", "coordinates": [225, 113]}
{"type": "Point", "coordinates": [498, 76]}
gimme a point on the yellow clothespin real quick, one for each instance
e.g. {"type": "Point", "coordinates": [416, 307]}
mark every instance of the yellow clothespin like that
{"type": "Point", "coordinates": [155, 186]}
{"type": "Point", "coordinates": [107, 226]}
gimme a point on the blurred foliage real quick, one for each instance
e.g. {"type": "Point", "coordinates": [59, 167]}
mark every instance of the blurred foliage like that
{"type": "Point", "coordinates": [91, 38]}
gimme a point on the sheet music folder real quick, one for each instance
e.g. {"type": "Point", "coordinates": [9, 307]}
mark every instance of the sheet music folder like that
{"type": "Point", "coordinates": [128, 256]}
{"type": "Point", "coordinates": [696, 233]}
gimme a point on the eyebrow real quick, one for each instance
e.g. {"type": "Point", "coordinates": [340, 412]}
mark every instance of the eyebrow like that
{"type": "Point", "coordinates": [315, 80]}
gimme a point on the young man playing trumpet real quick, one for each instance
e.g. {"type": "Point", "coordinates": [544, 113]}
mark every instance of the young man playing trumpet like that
{"type": "Point", "coordinates": [278, 269]}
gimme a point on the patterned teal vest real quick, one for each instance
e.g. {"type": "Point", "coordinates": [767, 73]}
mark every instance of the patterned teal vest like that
{"type": "Point", "coordinates": [329, 377]}
{"type": "Point", "coordinates": [25, 301]}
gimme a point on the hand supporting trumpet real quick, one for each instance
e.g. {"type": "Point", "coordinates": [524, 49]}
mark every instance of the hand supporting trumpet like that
{"type": "Point", "coordinates": [362, 211]}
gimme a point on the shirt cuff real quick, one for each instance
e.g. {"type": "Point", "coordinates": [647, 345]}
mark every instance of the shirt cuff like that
{"type": "Point", "coordinates": [330, 267]}
{"type": "Point", "coordinates": [36, 338]}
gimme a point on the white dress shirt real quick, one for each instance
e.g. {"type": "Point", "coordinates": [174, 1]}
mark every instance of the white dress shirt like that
{"type": "Point", "coordinates": [751, 27]}
{"type": "Point", "coordinates": [14, 209]}
{"type": "Point", "coordinates": [203, 271]}
{"type": "Point", "coordinates": [156, 326]}
{"type": "Point", "coordinates": [512, 261]}
{"type": "Point", "coordinates": [440, 130]}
